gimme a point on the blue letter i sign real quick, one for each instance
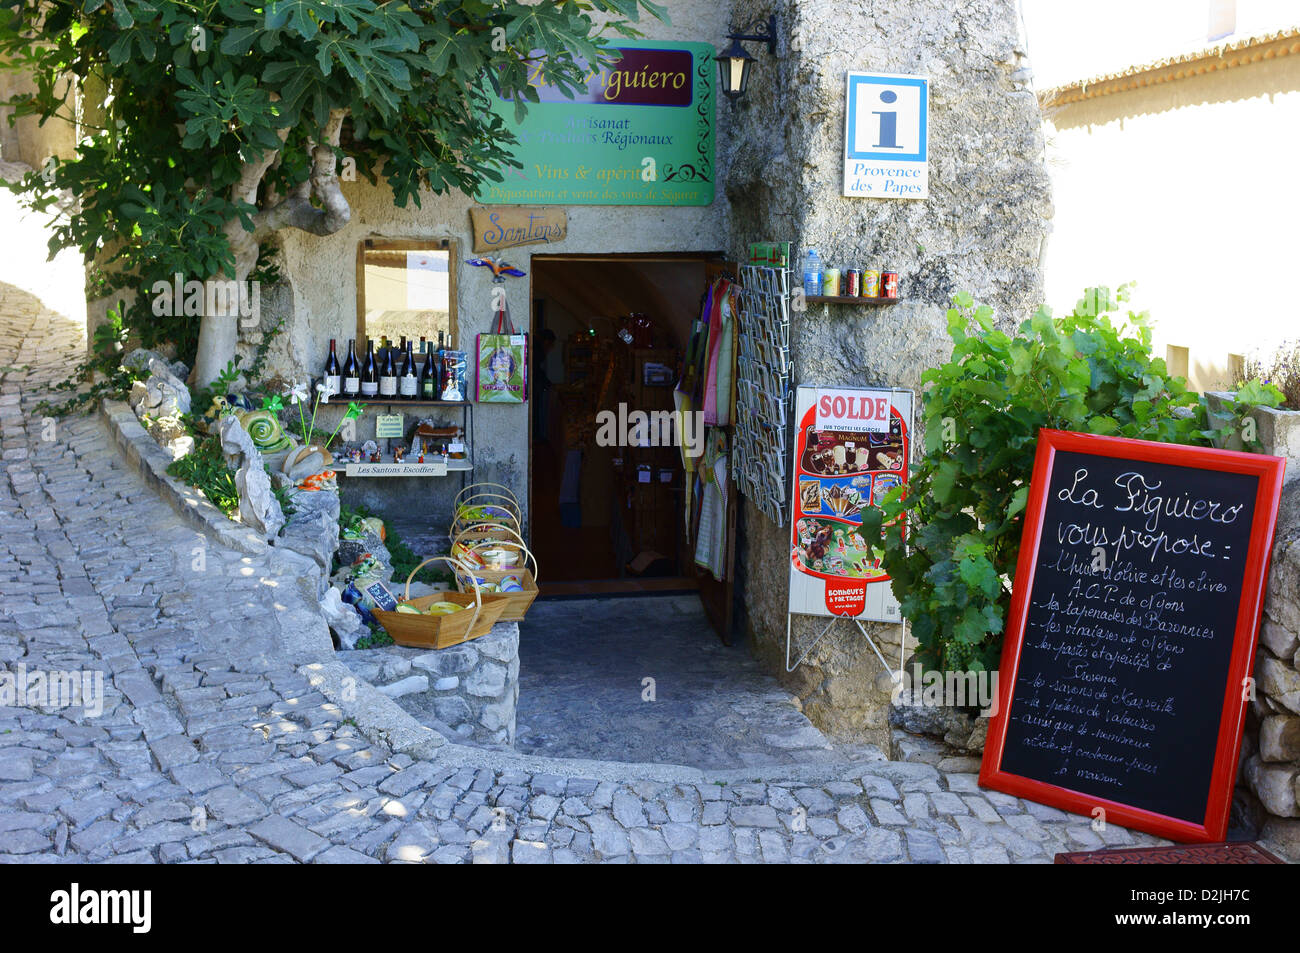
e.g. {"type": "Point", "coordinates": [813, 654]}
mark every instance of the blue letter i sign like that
{"type": "Point", "coordinates": [885, 128]}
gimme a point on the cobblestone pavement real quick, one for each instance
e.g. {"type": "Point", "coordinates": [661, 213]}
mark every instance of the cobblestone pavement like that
{"type": "Point", "coordinates": [583, 690]}
{"type": "Point", "coordinates": [209, 749]}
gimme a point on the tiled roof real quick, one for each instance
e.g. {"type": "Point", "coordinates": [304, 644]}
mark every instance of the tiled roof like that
{"type": "Point", "coordinates": [1222, 56]}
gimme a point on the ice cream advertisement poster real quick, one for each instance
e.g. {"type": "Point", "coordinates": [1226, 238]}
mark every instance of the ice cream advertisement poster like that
{"type": "Point", "coordinates": [851, 448]}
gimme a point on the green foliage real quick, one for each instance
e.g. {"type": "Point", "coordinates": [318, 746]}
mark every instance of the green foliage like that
{"type": "Point", "coordinates": [404, 559]}
{"type": "Point", "coordinates": [193, 94]}
{"type": "Point", "coordinates": [205, 468]}
{"type": "Point", "coordinates": [982, 411]}
{"type": "Point", "coordinates": [1234, 426]}
{"type": "Point", "coordinates": [1281, 369]}
{"type": "Point", "coordinates": [377, 638]}
{"type": "Point", "coordinates": [103, 370]}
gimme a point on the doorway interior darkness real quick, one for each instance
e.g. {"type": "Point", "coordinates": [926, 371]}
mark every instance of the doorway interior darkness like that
{"type": "Point", "coordinates": [608, 519]}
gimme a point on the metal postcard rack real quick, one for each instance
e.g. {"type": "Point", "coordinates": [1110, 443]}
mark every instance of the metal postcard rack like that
{"type": "Point", "coordinates": [763, 390]}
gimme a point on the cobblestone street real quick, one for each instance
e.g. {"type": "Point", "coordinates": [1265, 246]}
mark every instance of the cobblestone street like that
{"type": "Point", "coordinates": [211, 749]}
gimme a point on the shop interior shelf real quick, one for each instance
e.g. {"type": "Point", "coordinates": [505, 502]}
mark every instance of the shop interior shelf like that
{"type": "Point", "coordinates": [849, 299]}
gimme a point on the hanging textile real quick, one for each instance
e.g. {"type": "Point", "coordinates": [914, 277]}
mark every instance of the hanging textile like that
{"type": "Point", "coordinates": [687, 398]}
{"type": "Point", "coordinates": [711, 538]}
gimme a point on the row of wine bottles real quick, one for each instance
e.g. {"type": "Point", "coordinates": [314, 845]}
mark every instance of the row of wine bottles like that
{"type": "Point", "coordinates": [396, 372]}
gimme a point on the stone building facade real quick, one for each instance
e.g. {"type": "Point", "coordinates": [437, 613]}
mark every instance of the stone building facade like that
{"type": "Point", "coordinates": [981, 230]}
{"type": "Point", "coordinates": [777, 177]}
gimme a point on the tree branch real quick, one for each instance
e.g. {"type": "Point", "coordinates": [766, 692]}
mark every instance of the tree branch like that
{"type": "Point", "coordinates": [297, 210]}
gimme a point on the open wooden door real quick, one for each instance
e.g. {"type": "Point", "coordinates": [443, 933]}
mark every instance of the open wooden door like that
{"type": "Point", "coordinates": [718, 595]}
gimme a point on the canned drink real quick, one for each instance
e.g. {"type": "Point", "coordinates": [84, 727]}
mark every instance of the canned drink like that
{"type": "Point", "coordinates": [852, 283]}
{"type": "Point", "coordinates": [831, 282]}
{"type": "Point", "coordinates": [871, 283]}
{"type": "Point", "coordinates": [889, 284]}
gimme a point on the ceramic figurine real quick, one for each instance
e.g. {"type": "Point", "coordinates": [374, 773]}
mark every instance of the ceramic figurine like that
{"type": "Point", "coordinates": [306, 461]}
{"type": "Point", "coordinates": [264, 427]}
{"type": "Point", "coordinates": [399, 452]}
{"type": "Point", "coordinates": [325, 480]}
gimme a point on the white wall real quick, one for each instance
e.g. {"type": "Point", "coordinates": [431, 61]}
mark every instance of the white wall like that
{"type": "Point", "coordinates": [1190, 189]}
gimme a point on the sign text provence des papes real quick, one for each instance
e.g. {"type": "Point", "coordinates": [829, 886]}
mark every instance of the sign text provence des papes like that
{"type": "Point", "coordinates": [640, 134]}
{"type": "Point", "coordinates": [886, 136]}
{"type": "Point", "coordinates": [497, 228]}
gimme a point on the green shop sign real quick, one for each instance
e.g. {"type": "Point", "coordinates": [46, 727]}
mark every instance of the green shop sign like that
{"type": "Point", "coordinates": [641, 134]}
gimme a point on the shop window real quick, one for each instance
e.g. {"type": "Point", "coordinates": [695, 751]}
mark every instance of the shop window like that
{"type": "Point", "coordinates": [406, 289]}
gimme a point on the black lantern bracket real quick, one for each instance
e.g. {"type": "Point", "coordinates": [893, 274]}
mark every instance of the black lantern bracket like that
{"type": "Point", "coordinates": [735, 62]}
{"type": "Point", "coordinates": [767, 35]}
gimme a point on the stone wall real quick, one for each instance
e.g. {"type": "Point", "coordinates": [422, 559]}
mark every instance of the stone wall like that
{"type": "Point", "coordinates": [1271, 751]}
{"type": "Point", "coordinates": [467, 693]}
{"type": "Point", "coordinates": [981, 230]}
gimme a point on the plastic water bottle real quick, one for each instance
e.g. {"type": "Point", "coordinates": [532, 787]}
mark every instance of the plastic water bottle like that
{"type": "Point", "coordinates": [812, 274]}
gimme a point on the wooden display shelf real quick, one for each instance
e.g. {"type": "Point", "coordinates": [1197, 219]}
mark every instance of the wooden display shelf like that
{"type": "Point", "coordinates": [401, 402]}
{"type": "Point", "coordinates": [850, 299]}
{"type": "Point", "coordinates": [404, 469]}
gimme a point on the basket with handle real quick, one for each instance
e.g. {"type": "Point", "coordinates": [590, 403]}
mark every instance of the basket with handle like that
{"type": "Point", "coordinates": [474, 489]}
{"type": "Point", "coordinates": [463, 543]}
{"type": "Point", "coordinates": [442, 631]}
{"type": "Point", "coordinates": [519, 602]}
{"type": "Point", "coordinates": [486, 507]}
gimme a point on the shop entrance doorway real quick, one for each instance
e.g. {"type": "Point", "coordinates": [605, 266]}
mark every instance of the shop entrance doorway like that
{"type": "Point", "coordinates": [608, 501]}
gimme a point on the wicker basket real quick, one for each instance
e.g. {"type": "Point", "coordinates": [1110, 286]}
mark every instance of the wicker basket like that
{"type": "Point", "coordinates": [504, 502]}
{"type": "Point", "coordinates": [464, 542]}
{"type": "Point", "coordinates": [442, 631]}
{"type": "Point", "coordinates": [519, 602]}
{"type": "Point", "coordinates": [475, 489]}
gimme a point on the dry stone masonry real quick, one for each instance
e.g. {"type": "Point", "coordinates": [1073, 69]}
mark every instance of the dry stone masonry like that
{"type": "Point", "coordinates": [1271, 753]}
{"type": "Point", "coordinates": [467, 693]}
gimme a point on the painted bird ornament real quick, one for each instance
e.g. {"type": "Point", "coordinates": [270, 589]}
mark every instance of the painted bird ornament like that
{"type": "Point", "coordinates": [500, 268]}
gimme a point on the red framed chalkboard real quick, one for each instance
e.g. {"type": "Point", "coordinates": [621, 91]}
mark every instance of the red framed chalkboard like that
{"type": "Point", "coordinates": [1131, 638]}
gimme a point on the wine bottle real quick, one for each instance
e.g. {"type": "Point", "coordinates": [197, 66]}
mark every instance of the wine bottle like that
{"type": "Point", "coordinates": [387, 375]}
{"type": "Point", "coordinates": [333, 372]}
{"type": "Point", "coordinates": [429, 378]}
{"type": "Point", "coordinates": [370, 372]}
{"type": "Point", "coordinates": [409, 385]}
{"type": "Point", "coordinates": [424, 345]}
{"type": "Point", "coordinates": [352, 371]}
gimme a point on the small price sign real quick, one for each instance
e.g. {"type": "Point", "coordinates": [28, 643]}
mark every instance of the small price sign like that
{"type": "Point", "coordinates": [388, 425]}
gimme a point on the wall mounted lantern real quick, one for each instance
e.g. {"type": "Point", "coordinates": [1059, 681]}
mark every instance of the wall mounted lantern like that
{"type": "Point", "coordinates": [734, 62]}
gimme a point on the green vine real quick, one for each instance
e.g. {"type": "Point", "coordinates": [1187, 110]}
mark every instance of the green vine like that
{"type": "Point", "coordinates": [981, 412]}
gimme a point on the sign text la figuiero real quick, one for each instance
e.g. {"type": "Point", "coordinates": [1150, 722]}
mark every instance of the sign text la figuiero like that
{"type": "Point", "coordinates": [642, 77]}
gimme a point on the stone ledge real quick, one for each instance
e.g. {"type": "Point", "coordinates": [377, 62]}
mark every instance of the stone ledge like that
{"type": "Point", "coordinates": [377, 716]}
{"type": "Point", "coordinates": [151, 461]}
